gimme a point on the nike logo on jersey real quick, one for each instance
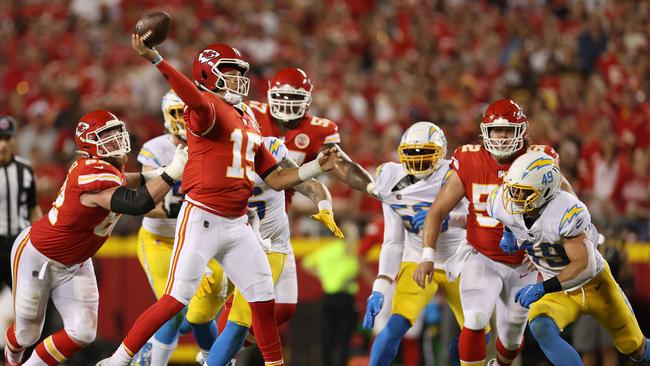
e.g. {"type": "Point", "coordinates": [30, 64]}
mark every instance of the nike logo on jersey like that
{"type": "Point", "coordinates": [524, 275]}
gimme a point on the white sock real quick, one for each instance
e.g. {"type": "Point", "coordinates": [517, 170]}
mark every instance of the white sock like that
{"type": "Point", "coordinates": [121, 357]}
{"type": "Point", "coordinates": [161, 353]}
{"type": "Point", "coordinates": [34, 360]}
{"type": "Point", "coordinates": [14, 357]}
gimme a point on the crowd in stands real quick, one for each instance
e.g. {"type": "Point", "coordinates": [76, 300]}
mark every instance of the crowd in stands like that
{"type": "Point", "coordinates": [579, 68]}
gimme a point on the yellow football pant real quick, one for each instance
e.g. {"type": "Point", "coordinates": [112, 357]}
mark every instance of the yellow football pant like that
{"type": "Point", "coordinates": [601, 298]}
{"type": "Point", "coordinates": [154, 253]}
{"type": "Point", "coordinates": [410, 299]}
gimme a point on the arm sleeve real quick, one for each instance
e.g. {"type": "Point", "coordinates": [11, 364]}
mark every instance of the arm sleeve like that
{"type": "Point", "coordinates": [390, 258]}
{"type": "Point", "coordinates": [95, 178]}
{"type": "Point", "coordinates": [201, 110]}
{"type": "Point", "coordinates": [31, 190]}
{"type": "Point", "coordinates": [265, 163]}
{"type": "Point", "coordinates": [332, 135]}
{"type": "Point", "coordinates": [456, 160]}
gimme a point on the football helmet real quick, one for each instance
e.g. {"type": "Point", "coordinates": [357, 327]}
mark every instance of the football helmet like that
{"type": "Point", "coordinates": [209, 70]}
{"type": "Point", "coordinates": [532, 180]}
{"type": "Point", "coordinates": [289, 94]}
{"type": "Point", "coordinates": [504, 113]}
{"type": "Point", "coordinates": [102, 135]}
{"type": "Point", "coordinates": [420, 148]}
{"type": "Point", "coordinates": [172, 108]}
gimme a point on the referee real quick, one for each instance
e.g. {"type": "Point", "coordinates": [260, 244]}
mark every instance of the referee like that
{"type": "Point", "coordinates": [18, 206]}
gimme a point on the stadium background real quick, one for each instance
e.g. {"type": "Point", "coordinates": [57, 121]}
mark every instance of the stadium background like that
{"type": "Point", "coordinates": [580, 69]}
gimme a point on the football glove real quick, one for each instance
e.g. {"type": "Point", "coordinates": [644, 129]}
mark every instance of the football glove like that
{"type": "Point", "coordinates": [373, 307]}
{"type": "Point", "coordinates": [417, 222]}
{"type": "Point", "coordinates": [508, 242]}
{"type": "Point", "coordinates": [529, 294]}
{"type": "Point", "coordinates": [326, 217]}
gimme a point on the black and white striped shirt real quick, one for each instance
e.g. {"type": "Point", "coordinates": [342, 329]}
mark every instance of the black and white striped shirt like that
{"type": "Point", "coordinates": [17, 196]}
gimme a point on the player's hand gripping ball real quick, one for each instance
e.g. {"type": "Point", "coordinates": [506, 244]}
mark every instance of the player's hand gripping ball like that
{"type": "Point", "coordinates": [153, 28]}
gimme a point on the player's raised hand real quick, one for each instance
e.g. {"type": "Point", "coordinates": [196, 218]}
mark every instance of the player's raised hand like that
{"type": "Point", "coordinates": [176, 167]}
{"type": "Point", "coordinates": [423, 273]}
{"type": "Point", "coordinates": [326, 217]}
{"type": "Point", "coordinates": [329, 158]}
{"type": "Point", "coordinates": [138, 45]}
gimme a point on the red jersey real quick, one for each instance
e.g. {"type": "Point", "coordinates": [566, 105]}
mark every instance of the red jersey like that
{"type": "Point", "coordinates": [71, 233]}
{"type": "Point", "coordinates": [224, 149]}
{"type": "Point", "coordinates": [480, 175]}
{"type": "Point", "coordinates": [303, 142]}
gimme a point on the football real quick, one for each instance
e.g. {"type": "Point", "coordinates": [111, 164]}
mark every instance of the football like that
{"type": "Point", "coordinates": [153, 27]}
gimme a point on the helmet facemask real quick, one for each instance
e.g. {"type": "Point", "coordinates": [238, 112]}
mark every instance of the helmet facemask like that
{"type": "Point", "coordinates": [419, 160]}
{"type": "Point", "coordinates": [503, 147]}
{"type": "Point", "coordinates": [287, 103]}
{"type": "Point", "coordinates": [519, 199]}
{"type": "Point", "coordinates": [111, 140]}
{"type": "Point", "coordinates": [240, 84]}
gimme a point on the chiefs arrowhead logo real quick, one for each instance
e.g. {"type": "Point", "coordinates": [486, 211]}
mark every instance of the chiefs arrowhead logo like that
{"type": "Point", "coordinates": [81, 128]}
{"type": "Point", "coordinates": [208, 55]}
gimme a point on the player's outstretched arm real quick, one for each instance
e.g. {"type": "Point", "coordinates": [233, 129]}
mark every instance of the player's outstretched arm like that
{"type": "Point", "coordinates": [138, 202]}
{"type": "Point", "coordinates": [448, 197]}
{"type": "Point", "coordinates": [184, 87]}
{"type": "Point", "coordinates": [320, 195]}
{"type": "Point", "coordinates": [281, 179]}
{"type": "Point", "coordinates": [353, 174]}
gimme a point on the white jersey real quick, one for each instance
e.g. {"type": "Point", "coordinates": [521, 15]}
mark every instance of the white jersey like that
{"type": "Point", "coordinates": [159, 152]}
{"type": "Point", "coordinates": [564, 216]}
{"type": "Point", "coordinates": [269, 204]}
{"type": "Point", "coordinates": [402, 197]}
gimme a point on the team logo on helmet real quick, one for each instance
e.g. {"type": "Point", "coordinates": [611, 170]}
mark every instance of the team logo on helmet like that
{"type": "Point", "coordinates": [302, 141]}
{"type": "Point", "coordinates": [81, 128]}
{"type": "Point", "coordinates": [208, 55]}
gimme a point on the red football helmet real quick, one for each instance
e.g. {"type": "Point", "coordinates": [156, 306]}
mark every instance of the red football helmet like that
{"type": "Point", "coordinates": [504, 114]}
{"type": "Point", "coordinates": [102, 135]}
{"type": "Point", "coordinates": [289, 94]}
{"type": "Point", "coordinates": [211, 63]}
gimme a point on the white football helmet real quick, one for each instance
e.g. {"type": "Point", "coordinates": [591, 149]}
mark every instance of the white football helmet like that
{"type": "Point", "coordinates": [532, 180]}
{"type": "Point", "coordinates": [172, 108]}
{"type": "Point", "coordinates": [420, 148]}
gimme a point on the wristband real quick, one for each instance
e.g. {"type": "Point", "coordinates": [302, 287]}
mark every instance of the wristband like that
{"type": "Point", "coordinates": [552, 285]}
{"type": "Point", "coordinates": [380, 285]}
{"type": "Point", "coordinates": [156, 61]}
{"type": "Point", "coordinates": [309, 170]}
{"type": "Point", "coordinates": [324, 205]}
{"type": "Point", "coordinates": [169, 180]}
{"type": "Point", "coordinates": [427, 254]}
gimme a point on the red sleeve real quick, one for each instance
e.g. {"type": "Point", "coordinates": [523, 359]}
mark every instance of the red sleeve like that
{"type": "Point", "coordinates": [265, 163]}
{"type": "Point", "coordinates": [201, 110]}
{"type": "Point", "coordinates": [456, 161]}
{"type": "Point", "coordinates": [96, 178]}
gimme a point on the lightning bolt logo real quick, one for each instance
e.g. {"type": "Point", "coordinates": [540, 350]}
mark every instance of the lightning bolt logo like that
{"type": "Point", "coordinates": [538, 164]}
{"type": "Point", "coordinates": [570, 214]}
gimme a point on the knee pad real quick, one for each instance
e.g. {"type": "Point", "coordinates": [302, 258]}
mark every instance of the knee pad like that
{"type": "Point", "coordinates": [27, 336]}
{"type": "Point", "coordinates": [84, 329]}
{"type": "Point", "coordinates": [476, 319]}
